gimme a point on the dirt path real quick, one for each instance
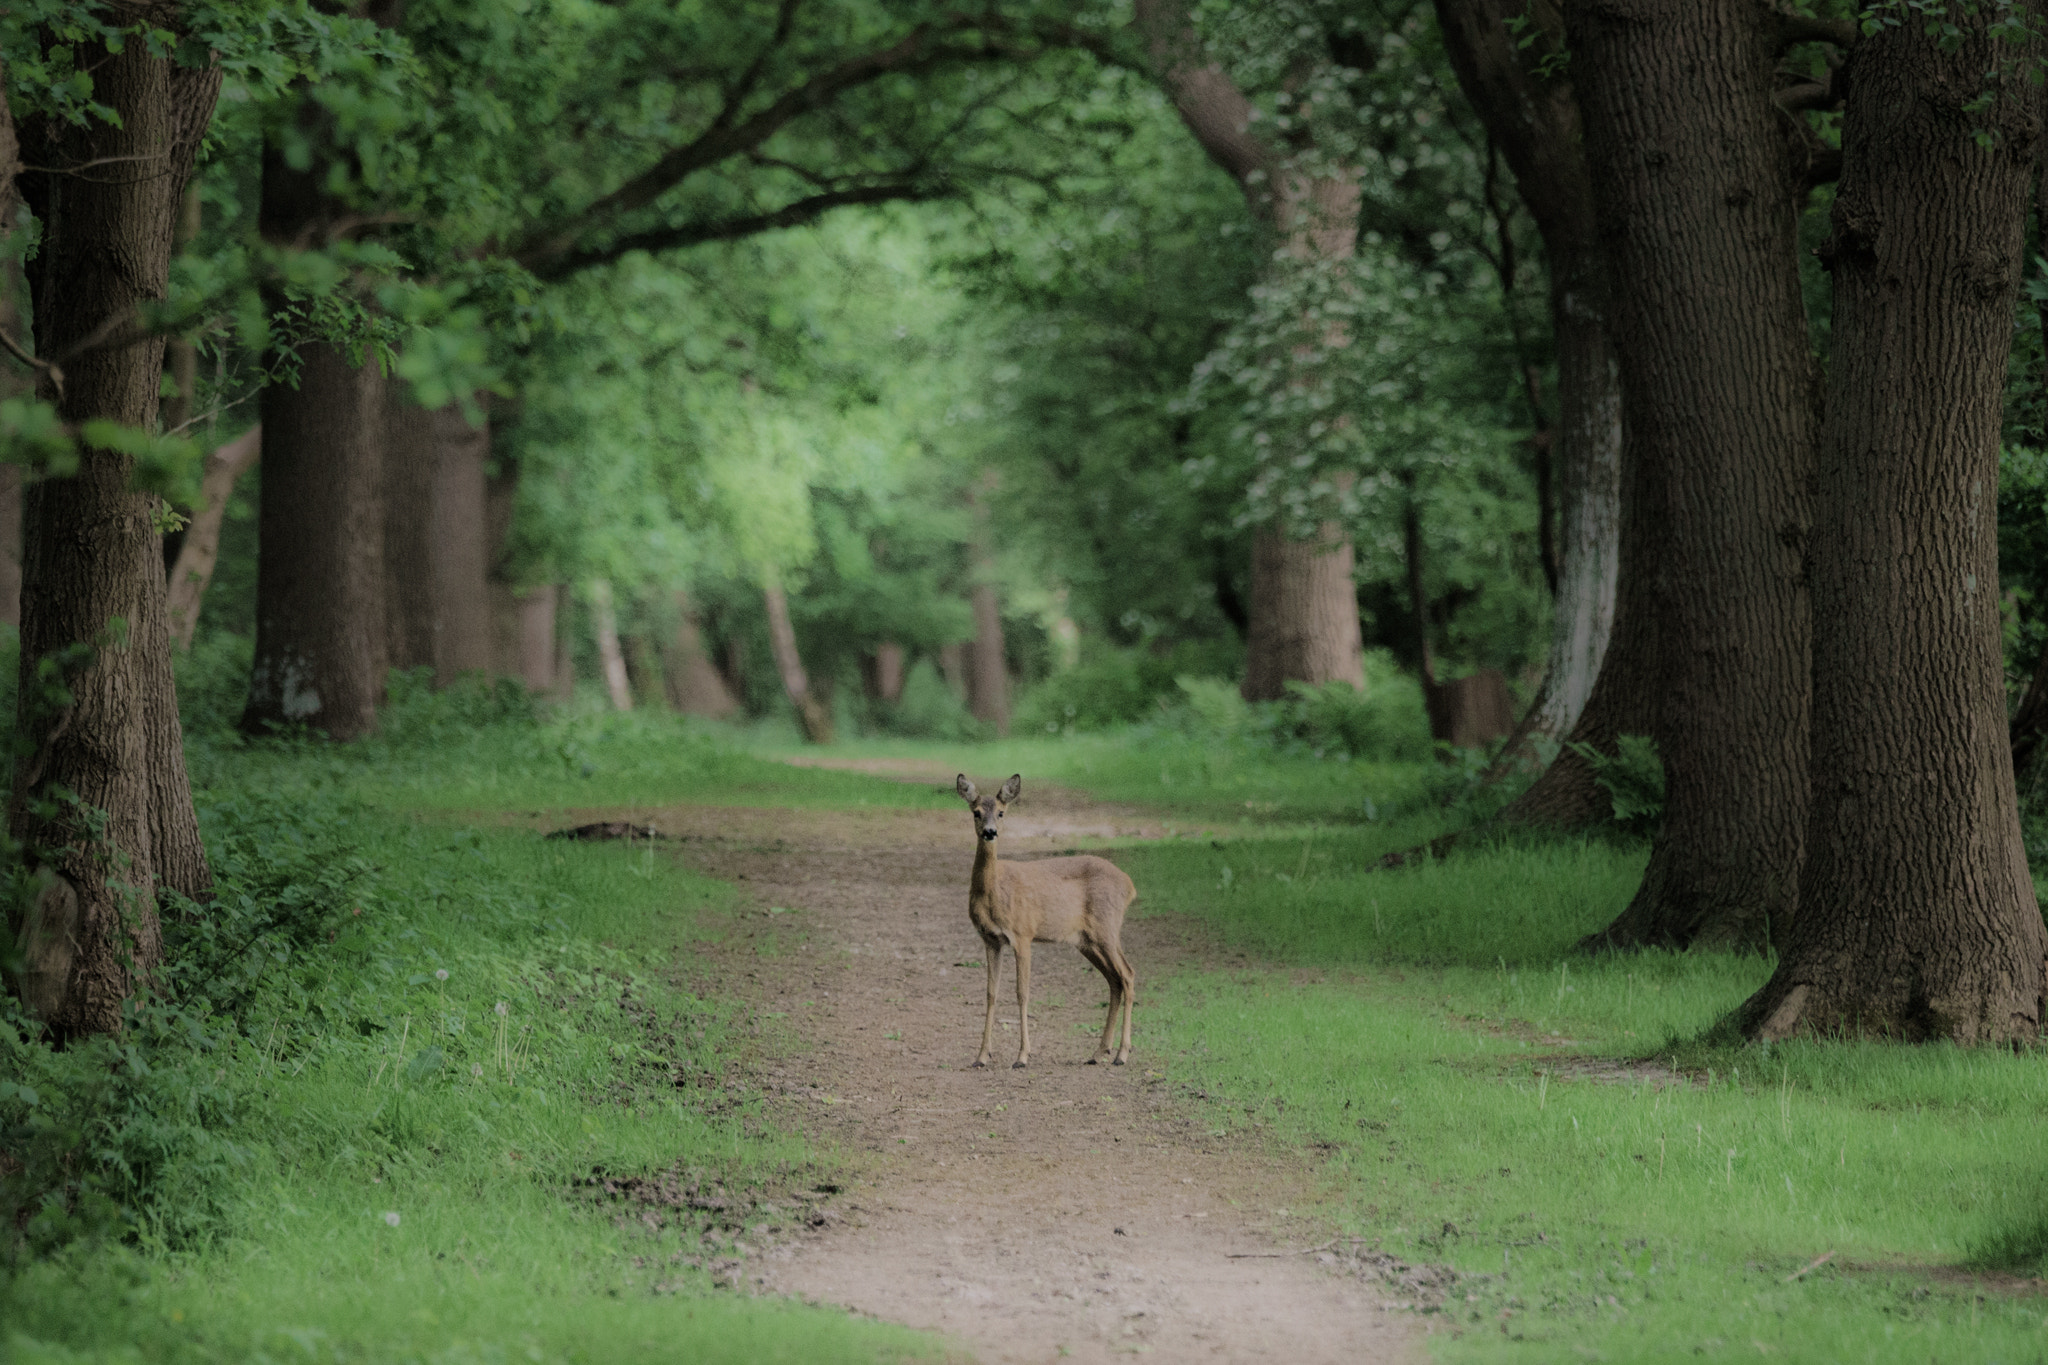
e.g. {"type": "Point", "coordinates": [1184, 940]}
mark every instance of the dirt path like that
{"type": "Point", "coordinates": [1061, 1212]}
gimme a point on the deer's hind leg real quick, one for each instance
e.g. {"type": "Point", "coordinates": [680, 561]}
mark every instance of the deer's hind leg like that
{"type": "Point", "coordinates": [1101, 962]}
{"type": "Point", "coordinates": [993, 948]}
{"type": "Point", "coordinates": [1128, 991]}
{"type": "Point", "coordinates": [1022, 948]}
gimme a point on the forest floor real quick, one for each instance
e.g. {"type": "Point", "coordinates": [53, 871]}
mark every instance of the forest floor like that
{"type": "Point", "coordinates": [1063, 1211]}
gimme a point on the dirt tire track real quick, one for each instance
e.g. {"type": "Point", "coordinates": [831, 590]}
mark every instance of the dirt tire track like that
{"type": "Point", "coordinates": [1064, 1212]}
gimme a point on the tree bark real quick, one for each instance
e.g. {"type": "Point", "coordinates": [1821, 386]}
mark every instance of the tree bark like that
{"type": "Point", "coordinates": [199, 550]}
{"type": "Point", "coordinates": [694, 685]}
{"type": "Point", "coordinates": [535, 665]}
{"type": "Point", "coordinates": [10, 545]}
{"type": "Point", "coordinates": [460, 546]}
{"type": "Point", "coordinates": [410, 450]}
{"type": "Point", "coordinates": [604, 622]}
{"type": "Point", "coordinates": [1535, 123]}
{"type": "Point", "coordinates": [101, 801]}
{"type": "Point", "coordinates": [885, 673]}
{"type": "Point", "coordinates": [1697, 196]}
{"type": "Point", "coordinates": [1304, 614]}
{"type": "Point", "coordinates": [812, 715]}
{"type": "Point", "coordinates": [184, 355]}
{"type": "Point", "coordinates": [320, 623]}
{"type": "Point", "coordinates": [953, 667]}
{"type": "Point", "coordinates": [1917, 915]}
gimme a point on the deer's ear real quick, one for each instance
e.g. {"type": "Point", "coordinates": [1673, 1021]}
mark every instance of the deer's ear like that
{"type": "Point", "coordinates": [1011, 788]}
{"type": "Point", "coordinates": [964, 787]}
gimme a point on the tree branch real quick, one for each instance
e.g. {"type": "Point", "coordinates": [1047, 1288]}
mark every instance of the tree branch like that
{"type": "Point", "coordinates": [956, 40]}
{"type": "Point", "coordinates": [1794, 29]}
{"type": "Point", "coordinates": [797, 214]}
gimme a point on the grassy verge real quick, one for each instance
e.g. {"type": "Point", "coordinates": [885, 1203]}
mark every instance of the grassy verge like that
{"type": "Point", "coordinates": [429, 1096]}
{"type": "Point", "coordinates": [1606, 1187]}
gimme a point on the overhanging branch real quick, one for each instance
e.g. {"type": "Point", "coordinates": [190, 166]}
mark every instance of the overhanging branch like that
{"type": "Point", "coordinates": [796, 214]}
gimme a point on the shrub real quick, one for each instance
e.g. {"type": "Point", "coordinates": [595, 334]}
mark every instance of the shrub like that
{"type": "Point", "coordinates": [929, 710]}
{"type": "Point", "coordinates": [1634, 778]}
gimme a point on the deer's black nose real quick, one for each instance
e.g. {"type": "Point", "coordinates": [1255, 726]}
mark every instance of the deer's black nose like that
{"type": "Point", "coordinates": [989, 833]}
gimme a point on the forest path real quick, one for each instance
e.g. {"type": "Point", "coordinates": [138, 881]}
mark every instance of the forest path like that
{"type": "Point", "coordinates": [1060, 1212]}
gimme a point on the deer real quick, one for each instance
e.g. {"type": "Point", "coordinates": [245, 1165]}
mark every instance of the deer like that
{"type": "Point", "coordinates": [1078, 900]}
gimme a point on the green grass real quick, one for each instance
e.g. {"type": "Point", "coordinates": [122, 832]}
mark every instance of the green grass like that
{"type": "Point", "coordinates": [415, 1166]}
{"type": "Point", "coordinates": [1481, 1097]}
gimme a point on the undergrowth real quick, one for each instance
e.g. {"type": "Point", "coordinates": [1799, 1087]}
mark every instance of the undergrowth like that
{"type": "Point", "coordinates": [379, 1102]}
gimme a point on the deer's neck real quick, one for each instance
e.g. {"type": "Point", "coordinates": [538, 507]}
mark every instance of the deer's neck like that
{"type": "Point", "coordinates": [984, 883]}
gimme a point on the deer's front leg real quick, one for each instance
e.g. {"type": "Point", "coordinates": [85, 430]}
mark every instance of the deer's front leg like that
{"type": "Point", "coordinates": [993, 949]}
{"type": "Point", "coordinates": [1023, 947]}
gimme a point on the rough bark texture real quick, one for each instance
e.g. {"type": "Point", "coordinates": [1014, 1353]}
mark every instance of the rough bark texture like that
{"type": "Point", "coordinates": [604, 622]}
{"type": "Point", "coordinates": [1535, 124]}
{"type": "Point", "coordinates": [179, 407]}
{"type": "Point", "coordinates": [1917, 916]}
{"type": "Point", "coordinates": [92, 569]}
{"type": "Point", "coordinates": [409, 453]}
{"type": "Point", "coordinates": [811, 713]}
{"type": "Point", "coordinates": [1697, 201]}
{"type": "Point", "coordinates": [1303, 613]}
{"type": "Point", "coordinates": [199, 549]}
{"type": "Point", "coordinates": [320, 626]}
{"type": "Point", "coordinates": [694, 685]}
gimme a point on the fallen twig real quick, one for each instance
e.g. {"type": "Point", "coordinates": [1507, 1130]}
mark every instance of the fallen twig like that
{"type": "Point", "coordinates": [1247, 1255]}
{"type": "Point", "coordinates": [1815, 1264]}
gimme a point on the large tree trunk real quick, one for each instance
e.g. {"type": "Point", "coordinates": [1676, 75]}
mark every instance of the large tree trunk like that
{"type": "Point", "coordinates": [320, 627]}
{"type": "Point", "coordinates": [988, 672]}
{"type": "Point", "coordinates": [199, 549]}
{"type": "Point", "coordinates": [1303, 612]}
{"type": "Point", "coordinates": [1917, 916]}
{"type": "Point", "coordinates": [604, 623]}
{"type": "Point", "coordinates": [101, 803]}
{"type": "Point", "coordinates": [811, 713]}
{"type": "Point", "coordinates": [1697, 196]}
{"type": "Point", "coordinates": [410, 450]}
{"type": "Point", "coordinates": [461, 557]}
{"type": "Point", "coordinates": [694, 685]}
{"type": "Point", "coordinates": [1534, 122]}
{"type": "Point", "coordinates": [437, 542]}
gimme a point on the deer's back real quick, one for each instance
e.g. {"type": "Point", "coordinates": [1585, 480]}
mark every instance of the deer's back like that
{"type": "Point", "coordinates": [1056, 899]}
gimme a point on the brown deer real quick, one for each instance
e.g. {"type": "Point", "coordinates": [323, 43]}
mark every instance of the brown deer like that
{"type": "Point", "coordinates": [1054, 900]}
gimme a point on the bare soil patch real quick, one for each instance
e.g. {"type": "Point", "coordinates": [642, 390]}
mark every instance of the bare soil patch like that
{"type": "Point", "coordinates": [1060, 1212]}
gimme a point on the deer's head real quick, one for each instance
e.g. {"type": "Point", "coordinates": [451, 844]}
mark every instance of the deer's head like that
{"type": "Point", "coordinates": [988, 810]}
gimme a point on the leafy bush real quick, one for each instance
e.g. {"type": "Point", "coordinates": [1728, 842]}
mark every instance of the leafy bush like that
{"type": "Point", "coordinates": [1115, 688]}
{"type": "Point", "coordinates": [213, 682]}
{"type": "Point", "coordinates": [419, 713]}
{"type": "Point", "coordinates": [1634, 778]}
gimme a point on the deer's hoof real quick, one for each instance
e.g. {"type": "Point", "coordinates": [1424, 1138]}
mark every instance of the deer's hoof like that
{"type": "Point", "coordinates": [981, 1065]}
{"type": "Point", "coordinates": [1017, 1066]}
{"type": "Point", "coordinates": [1118, 1062]}
{"type": "Point", "coordinates": [1095, 1061]}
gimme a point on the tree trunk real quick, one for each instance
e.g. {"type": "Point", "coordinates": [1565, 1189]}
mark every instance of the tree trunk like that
{"type": "Point", "coordinates": [812, 715]}
{"type": "Point", "coordinates": [461, 557]}
{"type": "Point", "coordinates": [1534, 122]}
{"type": "Point", "coordinates": [199, 550]}
{"type": "Point", "coordinates": [410, 450]}
{"type": "Point", "coordinates": [10, 544]}
{"type": "Point", "coordinates": [178, 409]}
{"type": "Point", "coordinates": [988, 676]}
{"type": "Point", "coordinates": [1303, 624]}
{"type": "Point", "coordinates": [886, 673]}
{"type": "Point", "coordinates": [604, 622]}
{"type": "Point", "coordinates": [320, 623]}
{"type": "Point", "coordinates": [953, 667]}
{"type": "Point", "coordinates": [1917, 916]}
{"type": "Point", "coordinates": [643, 673]}
{"type": "Point", "coordinates": [1304, 614]}
{"type": "Point", "coordinates": [535, 666]}
{"type": "Point", "coordinates": [565, 657]}
{"type": "Point", "coordinates": [101, 803]}
{"type": "Point", "coordinates": [1691, 172]}
{"type": "Point", "coordinates": [694, 686]}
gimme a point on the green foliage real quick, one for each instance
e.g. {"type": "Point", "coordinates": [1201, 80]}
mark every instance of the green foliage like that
{"type": "Point", "coordinates": [1633, 776]}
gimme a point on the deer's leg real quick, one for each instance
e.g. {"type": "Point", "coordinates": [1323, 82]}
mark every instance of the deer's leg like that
{"type": "Point", "coordinates": [1130, 999]}
{"type": "Point", "coordinates": [1023, 948]}
{"type": "Point", "coordinates": [993, 950]}
{"type": "Point", "coordinates": [1116, 996]}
